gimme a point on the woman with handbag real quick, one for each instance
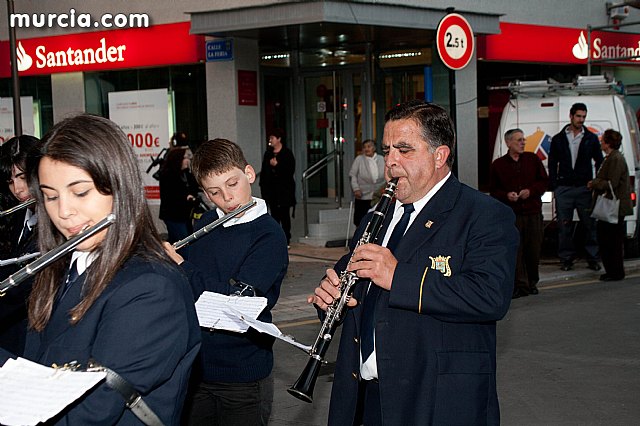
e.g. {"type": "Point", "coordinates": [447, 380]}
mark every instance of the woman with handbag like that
{"type": "Point", "coordinates": [612, 182]}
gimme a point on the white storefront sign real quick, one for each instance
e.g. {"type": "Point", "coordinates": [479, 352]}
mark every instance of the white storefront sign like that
{"type": "Point", "coordinates": [143, 115]}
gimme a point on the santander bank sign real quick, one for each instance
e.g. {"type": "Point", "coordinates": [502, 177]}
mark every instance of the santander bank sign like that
{"type": "Point", "coordinates": [70, 57]}
{"type": "Point", "coordinates": [106, 50]}
{"type": "Point", "coordinates": [536, 43]}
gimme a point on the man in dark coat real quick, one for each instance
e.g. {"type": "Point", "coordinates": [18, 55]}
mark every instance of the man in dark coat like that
{"type": "Point", "coordinates": [574, 152]}
{"type": "Point", "coordinates": [277, 184]}
{"type": "Point", "coordinates": [519, 180]}
{"type": "Point", "coordinates": [420, 347]}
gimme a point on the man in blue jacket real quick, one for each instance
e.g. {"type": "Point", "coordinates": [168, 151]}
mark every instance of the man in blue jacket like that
{"type": "Point", "coordinates": [574, 152]}
{"type": "Point", "coordinates": [420, 347]}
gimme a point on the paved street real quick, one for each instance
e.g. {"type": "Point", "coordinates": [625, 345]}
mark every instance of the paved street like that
{"type": "Point", "coordinates": [568, 356]}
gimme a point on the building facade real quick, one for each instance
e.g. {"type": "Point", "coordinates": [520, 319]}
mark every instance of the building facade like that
{"type": "Point", "coordinates": [324, 71]}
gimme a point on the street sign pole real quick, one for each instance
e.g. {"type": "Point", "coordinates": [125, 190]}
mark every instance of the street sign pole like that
{"type": "Point", "coordinates": [17, 110]}
{"type": "Point", "coordinates": [455, 44]}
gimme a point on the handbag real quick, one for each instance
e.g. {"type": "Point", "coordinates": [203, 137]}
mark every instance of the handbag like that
{"type": "Point", "coordinates": [606, 209]}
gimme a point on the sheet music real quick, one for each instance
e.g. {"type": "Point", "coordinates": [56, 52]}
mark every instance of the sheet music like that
{"type": "Point", "coordinates": [273, 330]}
{"type": "Point", "coordinates": [32, 393]}
{"type": "Point", "coordinates": [23, 258]}
{"type": "Point", "coordinates": [214, 310]}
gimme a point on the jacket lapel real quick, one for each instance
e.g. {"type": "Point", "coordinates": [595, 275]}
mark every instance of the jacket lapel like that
{"type": "Point", "coordinates": [59, 322]}
{"type": "Point", "coordinates": [430, 219]}
{"type": "Point", "coordinates": [424, 227]}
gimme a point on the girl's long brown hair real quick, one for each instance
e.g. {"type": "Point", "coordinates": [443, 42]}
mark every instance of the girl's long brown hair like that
{"type": "Point", "coordinates": [97, 146]}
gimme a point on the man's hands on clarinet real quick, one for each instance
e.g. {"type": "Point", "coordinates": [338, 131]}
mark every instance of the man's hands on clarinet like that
{"type": "Point", "coordinates": [368, 261]}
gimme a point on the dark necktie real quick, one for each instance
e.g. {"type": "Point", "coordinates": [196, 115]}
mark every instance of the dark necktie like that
{"type": "Point", "coordinates": [368, 308]}
{"type": "Point", "coordinates": [72, 277]}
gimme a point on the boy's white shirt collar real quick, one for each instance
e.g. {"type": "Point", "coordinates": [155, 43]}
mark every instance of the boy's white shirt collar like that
{"type": "Point", "coordinates": [253, 213]}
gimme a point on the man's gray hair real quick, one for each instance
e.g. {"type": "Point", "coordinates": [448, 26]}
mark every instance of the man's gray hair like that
{"type": "Point", "coordinates": [510, 132]}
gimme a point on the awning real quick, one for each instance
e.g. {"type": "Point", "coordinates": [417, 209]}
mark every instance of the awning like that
{"type": "Point", "coordinates": [313, 24]}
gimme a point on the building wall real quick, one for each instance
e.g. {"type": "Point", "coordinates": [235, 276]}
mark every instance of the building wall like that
{"type": "Point", "coordinates": [568, 13]}
{"type": "Point", "coordinates": [243, 123]}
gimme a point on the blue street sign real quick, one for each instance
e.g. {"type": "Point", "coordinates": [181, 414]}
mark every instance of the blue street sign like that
{"type": "Point", "coordinates": [219, 50]}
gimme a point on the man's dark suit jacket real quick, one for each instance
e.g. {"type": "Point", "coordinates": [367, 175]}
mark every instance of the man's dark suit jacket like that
{"type": "Point", "coordinates": [561, 171]}
{"type": "Point", "coordinates": [143, 326]}
{"type": "Point", "coordinates": [436, 328]}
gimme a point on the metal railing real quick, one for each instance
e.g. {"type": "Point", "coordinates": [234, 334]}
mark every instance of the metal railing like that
{"type": "Point", "coordinates": [308, 174]}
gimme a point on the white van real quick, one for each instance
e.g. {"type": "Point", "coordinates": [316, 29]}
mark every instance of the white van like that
{"type": "Point", "coordinates": [541, 109]}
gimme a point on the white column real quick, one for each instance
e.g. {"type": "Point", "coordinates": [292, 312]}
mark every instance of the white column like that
{"type": "Point", "coordinates": [467, 123]}
{"type": "Point", "coordinates": [67, 94]}
{"type": "Point", "coordinates": [226, 118]}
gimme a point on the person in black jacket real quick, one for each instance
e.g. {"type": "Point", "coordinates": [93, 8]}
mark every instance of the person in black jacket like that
{"type": "Point", "coordinates": [574, 152]}
{"type": "Point", "coordinates": [117, 299]}
{"type": "Point", "coordinates": [277, 185]}
{"type": "Point", "coordinates": [16, 156]}
{"type": "Point", "coordinates": [178, 193]}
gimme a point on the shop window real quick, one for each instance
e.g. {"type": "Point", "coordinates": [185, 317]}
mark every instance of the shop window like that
{"type": "Point", "coordinates": [186, 84]}
{"type": "Point", "coordinates": [39, 88]}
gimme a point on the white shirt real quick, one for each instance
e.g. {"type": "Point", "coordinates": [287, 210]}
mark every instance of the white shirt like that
{"type": "Point", "coordinates": [574, 144]}
{"type": "Point", "coordinates": [369, 368]}
{"type": "Point", "coordinates": [253, 213]}
{"type": "Point", "coordinates": [83, 259]}
{"type": "Point", "coordinates": [372, 164]}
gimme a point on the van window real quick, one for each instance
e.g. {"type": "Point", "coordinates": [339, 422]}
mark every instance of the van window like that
{"type": "Point", "coordinates": [633, 130]}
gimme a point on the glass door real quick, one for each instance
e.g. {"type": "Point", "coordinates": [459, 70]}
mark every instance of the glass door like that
{"type": "Point", "coordinates": [332, 123]}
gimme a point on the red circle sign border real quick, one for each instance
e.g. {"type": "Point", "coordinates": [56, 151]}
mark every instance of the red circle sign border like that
{"type": "Point", "coordinates": [445, 23]}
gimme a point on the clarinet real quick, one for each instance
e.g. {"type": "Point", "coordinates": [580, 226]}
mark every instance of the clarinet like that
{"type": "Point", "coordinates": [51, 256]}
{"type": "Point", "coordinates": [303, 387]}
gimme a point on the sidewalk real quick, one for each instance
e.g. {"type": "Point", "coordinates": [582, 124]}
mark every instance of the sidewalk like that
{"type": "Point", "coordinates": [307, 265]}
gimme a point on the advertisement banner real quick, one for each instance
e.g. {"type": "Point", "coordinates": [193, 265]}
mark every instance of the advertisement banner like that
{"type": "Point", "coordinates": [143, 115]}
{"type": "Point", "coordinates": [6, 118]}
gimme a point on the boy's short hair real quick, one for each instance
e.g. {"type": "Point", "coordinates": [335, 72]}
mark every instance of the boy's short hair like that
{"type": "Point", "coordinates": [216, 156]}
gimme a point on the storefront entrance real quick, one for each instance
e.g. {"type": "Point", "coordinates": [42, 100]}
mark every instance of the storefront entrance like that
{"type": "Point", "coordinates": [333, 124]}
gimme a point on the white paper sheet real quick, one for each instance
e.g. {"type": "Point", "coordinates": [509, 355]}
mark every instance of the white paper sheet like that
{"type": "Point", "coordinates": [214, 311]}
{"type": "Point", "coordinates": [272, 330]}
{"type": "Point", "coordinates": [32, 393]}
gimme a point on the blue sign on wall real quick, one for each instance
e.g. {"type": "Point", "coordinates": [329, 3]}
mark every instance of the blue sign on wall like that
{"type": "Point", "coordinates": [219, 50]}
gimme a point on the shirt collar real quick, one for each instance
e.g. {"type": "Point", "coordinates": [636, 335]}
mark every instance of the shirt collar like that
{"type": "Point", "coordinates": [418, 205]}
{"type": "Point", "coordinates": [254, 212]}
{"type": "Point", "coordinates": [570, 132]}
{"type": "Point", "coordinates": [83, 259]}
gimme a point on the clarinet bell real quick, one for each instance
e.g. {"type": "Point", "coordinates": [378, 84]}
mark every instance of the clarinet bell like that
{"type": "Point", "coordinates": [304, 386]}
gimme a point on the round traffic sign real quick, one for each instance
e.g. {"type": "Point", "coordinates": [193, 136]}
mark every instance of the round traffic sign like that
{"type": "Point", "coordinates": [455, 42]}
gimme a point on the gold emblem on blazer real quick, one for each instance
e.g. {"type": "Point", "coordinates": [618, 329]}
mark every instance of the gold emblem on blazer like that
{"type": "Point", "coordinates": [428, 224]}
{"type": "Point", "coordinates": [441, 263]}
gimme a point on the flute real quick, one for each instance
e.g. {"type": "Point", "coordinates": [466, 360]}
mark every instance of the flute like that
{"type": "Point", "coordinates": [51, 256]}
{"type": "Point", "coordinates": [208, 228]}
{"type": "Point", "coordinates": [18, 207]}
